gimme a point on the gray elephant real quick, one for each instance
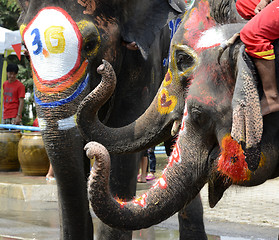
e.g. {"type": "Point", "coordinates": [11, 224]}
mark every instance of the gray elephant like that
{"type": "Point", "coordinates": [66, 41]}
{"type": "Point", "coordinates": [222, 134]}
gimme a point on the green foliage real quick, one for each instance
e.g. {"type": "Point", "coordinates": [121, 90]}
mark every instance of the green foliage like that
{"type": "Point", "coordinates": [9, 13]}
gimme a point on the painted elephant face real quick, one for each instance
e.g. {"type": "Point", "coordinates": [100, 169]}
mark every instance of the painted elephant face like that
{"type": "Point", "coordinates": [61, 46]}
{"type": "Point", "coordinates": [219, 95]}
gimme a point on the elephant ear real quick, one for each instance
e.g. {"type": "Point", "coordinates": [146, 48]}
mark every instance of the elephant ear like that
{"type": "Point", "coordinates": [145, 18]}
{"type": "Point", "coordinates": [247, 126]}
{"type": "Point", "coordinates": [224, 11]}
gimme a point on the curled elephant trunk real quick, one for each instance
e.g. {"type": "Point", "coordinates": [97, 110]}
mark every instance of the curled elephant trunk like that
{"type": "Point", "coordinates": [88, 109]}
{"type": "Point", "coordinates": [178, 185]}
{"type": "Point", "coordinates": [151, 128]}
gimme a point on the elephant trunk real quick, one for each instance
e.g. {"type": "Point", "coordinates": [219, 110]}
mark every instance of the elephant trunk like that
{"type": "Point", "coordinates": [146, 131]}
{"type": "Point", "coordinates": [178, 185]}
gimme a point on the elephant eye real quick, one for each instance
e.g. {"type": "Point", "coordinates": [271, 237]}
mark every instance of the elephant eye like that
{"type": "Point", "coordinates": [89, 46]}
{"type": "Point", "coordinates": [195, 113]}
{"type": "Point", "coordinates": [183, 60]}
{"type": "Point", "coordinates": [197, 116]}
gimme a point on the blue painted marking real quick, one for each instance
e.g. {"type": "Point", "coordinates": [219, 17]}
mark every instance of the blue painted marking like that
{"type": "Point", "coordinates": [37, 41]}
{"type": "Point", "coordinates": [173, 26]}
{"type": "Point", "coordinates": [79, 90]}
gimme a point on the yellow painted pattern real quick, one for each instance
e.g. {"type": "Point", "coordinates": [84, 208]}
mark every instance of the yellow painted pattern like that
{"type": "Point", "coordinates": [168, 78]}
{"type": "Point", "coordinates": [191, 53]}
{"type": "Point", "coordinates": [55, 32]}
{"type": "Point", "coordinates": [166, 103]}
{"type": "Point", "coordinates": [21, 29]}
{"type": "Point", "coordinates": [82, 25]}
{"type": "Point", "coordinates": [262, 160]}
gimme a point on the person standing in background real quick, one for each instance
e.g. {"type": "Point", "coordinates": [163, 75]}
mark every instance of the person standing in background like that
{"type": "Point", "coordinates": [143, 167]}
{"type": "Point", "coordinates": [152, 164]}
{"type": "Point", "coordinates": [14, 93]}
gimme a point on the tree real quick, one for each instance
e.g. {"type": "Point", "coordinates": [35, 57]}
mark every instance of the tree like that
{"type": "Point", "coordinates": [9, 13]}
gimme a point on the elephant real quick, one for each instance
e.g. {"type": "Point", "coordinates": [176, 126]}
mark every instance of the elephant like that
{"type": "Point", "coordinates": [66, 41]}
{"type": "Point", "coordinates": [223, 138]}
{"type": "Point", "coordinates": [150, 128]}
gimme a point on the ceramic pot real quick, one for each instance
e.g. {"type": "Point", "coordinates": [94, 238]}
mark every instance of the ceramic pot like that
{"type": "Point", "coordinates": [9, 140]}
{"type": "Point", "coordinates": [32, 154]}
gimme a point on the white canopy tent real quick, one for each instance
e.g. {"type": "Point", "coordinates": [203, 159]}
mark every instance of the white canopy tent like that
{"type": "Point", "coordinates": [8, 38]}
{"type": "Point", "coordinates": [10, 43]}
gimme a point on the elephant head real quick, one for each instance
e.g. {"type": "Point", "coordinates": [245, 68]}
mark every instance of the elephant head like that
{"type": "Point", "coordinates": [154, 125]}
{"type": "Point", "coordinates": [205, 150]}
{"type": "Point", "coordinates": [166, 109]}
{"type": "Point", "coordinates": [66, 42]}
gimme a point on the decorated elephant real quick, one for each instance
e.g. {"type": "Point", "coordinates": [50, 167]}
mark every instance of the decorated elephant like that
{"type": "Point", "coordinates": [66, 42]}
{"type": "Point", "coordinates": [223, 139]}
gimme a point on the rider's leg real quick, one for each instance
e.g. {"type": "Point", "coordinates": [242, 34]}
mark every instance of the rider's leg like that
{"type": "Point", "coordinates": [258, 35]}
{"type": "Point", "coordinates": [270, 100]}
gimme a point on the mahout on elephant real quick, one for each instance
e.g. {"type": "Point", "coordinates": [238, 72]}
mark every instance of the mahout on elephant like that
{"type": "Point", "coordinates": [67, 41]}
{"type": "Point", "coordinates": [222, 132]}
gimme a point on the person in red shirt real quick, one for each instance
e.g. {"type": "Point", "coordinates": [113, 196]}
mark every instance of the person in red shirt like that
{"type": "Point", "coordinates": [258, 35]}
{"type": "Point", "coordinates": [14, 93]}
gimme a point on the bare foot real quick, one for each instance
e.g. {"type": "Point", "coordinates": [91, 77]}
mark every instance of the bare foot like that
{"type": "Point", "coordinates": [50, 178]}
{"type": "Point", "coordinates": [142, 179]}
{"type": "Point", "coordinates": [269, 105]}
{"type": "Point", "coordinates": [50, 174]}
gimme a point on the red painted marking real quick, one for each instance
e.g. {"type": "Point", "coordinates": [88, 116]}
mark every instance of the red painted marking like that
{"type": "Point", "coordinates": [164, 102]}
{"type": "Point", "coordinates": [198, 21]}
{"type": "Point", "coordinates": [184, 117]}
{"type": "Point", "coordinates": [175, 155]}
{"type": "Point", "coordinates": [208, 100]}
{"type": "Point", "coordinates": [232, 160]}
{"type": "Point", "coordinates": [121, 202]}
{"type": "Point", "coordinates": [63, 86]}
{"type": "Point", "coordinates": [204, 48]}
{"type": "Point", "coordinates": [141, 201]}
{"type": "Point", "coordinates": [167, 77]}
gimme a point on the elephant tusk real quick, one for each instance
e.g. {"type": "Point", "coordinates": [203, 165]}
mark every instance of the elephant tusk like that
{"type": "Point", "coordinates": [224, 45]}
{"type": "Point", "coordinates": [175, 127]}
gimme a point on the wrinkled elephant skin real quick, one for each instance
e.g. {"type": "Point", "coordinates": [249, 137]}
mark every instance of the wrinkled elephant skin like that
{"type": "Point", "coordinates": [67, 41]}
{"type": "Point", "coordinates": [205, 150]}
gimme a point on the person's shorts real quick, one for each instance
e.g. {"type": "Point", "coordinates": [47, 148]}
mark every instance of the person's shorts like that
{"type": "Point", "coordinates": [9, 121]}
